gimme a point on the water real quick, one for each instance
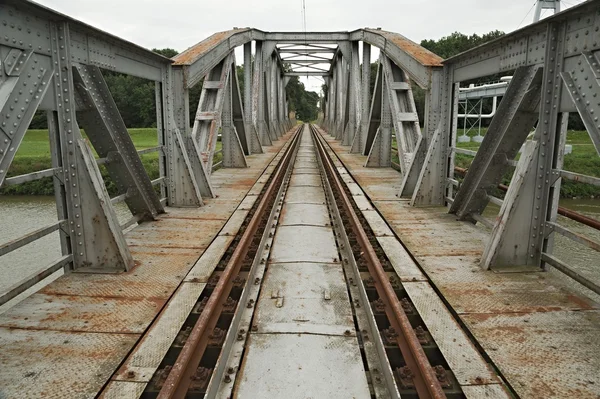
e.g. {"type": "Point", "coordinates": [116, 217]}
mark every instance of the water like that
{"type": "Point", "coordinates": [21, 215]}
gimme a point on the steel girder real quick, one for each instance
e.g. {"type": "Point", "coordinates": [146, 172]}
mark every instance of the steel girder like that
{"type": "Point", "coordinates": [508, 131]}
{"type": "Point", "coordinates": [359, 141]}
{"type": "Point", "coordinates": [90, 234]}
{"type": "Point", "coordinates": [104, 127]}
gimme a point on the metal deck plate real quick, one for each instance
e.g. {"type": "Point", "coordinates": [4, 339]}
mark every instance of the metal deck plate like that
{"type": "Point", "coordinates": [123, 390]}
{"type": "Point", "coordinates": [304, 214]}
{"type": "Point", "coordinates": [54, 364]}
{"type": "Point", "coordinates": [401, 261]}
{"type": "Point", "coordinates": [304, 298]}
{"type": "Point", "coordinates": [304, 244]}
{"type": "Point", "coordinates": [82, 313]}
{"type": "Point", "coordinates": [302, 366]}
{"type": "Point", "coordinates": [468, 366]}
{"type": "Point", "coordinates": [472, 290]}
{"type": "Point", "coordinates": [234, 223]}
{"type": "Point", "coordinates": [377, 224]}
{"type": "Point", "coordinates": [305, 195]}
{"type": "Point", "coordinates": [305, 180]}
{"type": "Point", "coordinates": [310, 171]}
{"type": "Point", "coordinates": [203, 268]}
{"type": "Point", "coordinates": [150, 351]}
{"type": "Point", "coordinates": [543, 355]}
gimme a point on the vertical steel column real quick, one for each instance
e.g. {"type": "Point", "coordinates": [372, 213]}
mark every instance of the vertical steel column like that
{"type": "Point", "coordinates": [548, 134]}
{"type": "Point", "coordinates": [354, 105]}
{"type": "Point", "coordinates": [258, 95]}
{"type": "Point", "coordinates": [183, 185]}
{"type": "Point", "coordinates": [431, 183]}
{"type": "Point", "coordinates": [248, 106]}
{"type": "Point", "coordinates": [341, 95]}
{"type": "Point", "coordinates": [96, 239]}
{"type": "Point", "coordinates": [360, 138]}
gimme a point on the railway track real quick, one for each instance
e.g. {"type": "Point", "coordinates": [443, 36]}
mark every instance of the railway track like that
{"type": "Point", "coordinates": [305, 303]}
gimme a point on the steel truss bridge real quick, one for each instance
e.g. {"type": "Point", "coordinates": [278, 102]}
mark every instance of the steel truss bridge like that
{"type": "Point", "coordinates": [309, 261]}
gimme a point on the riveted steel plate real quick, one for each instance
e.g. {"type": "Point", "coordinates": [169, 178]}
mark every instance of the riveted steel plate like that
{"type": "Point", "coordinates": [123, 390]}
{"type": "Point", "coordinates": [404, 266]}
{"type": "Point", "coordinates": [472, 290]}
{"type": "Point", "coordinates": [56, 364]}
{"type": "Point", "coordinates": [82, 313]}
{"type": "Point", "coordinates": [203, 268]}
{"type": "Point", "coordinates": [306, 180]}
{"type": "Point", "coordinates": [304, 298]}
{"type": "Point", "coordinates": [305, 195]}
{"type": "Point", "coordinates": [304, 214]}
{"type": "Point", "coordinates": [545, 354]}
{"type": "Point", "coordinates": [150, 351]}
{"type": "Point", "coordinates": [377, 224]}
{"type": "Point", "coordinates": [468, 366]}
{"type": "Point", "coordinates": [304, 244]}
{"type": "Point", "coordinates": [302, 366]}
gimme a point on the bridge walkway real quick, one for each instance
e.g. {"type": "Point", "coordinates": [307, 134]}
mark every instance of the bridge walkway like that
{"type": "Point", "coordinates": [69, 338]}
{"type": "Point", "coordinates": [540, 334]}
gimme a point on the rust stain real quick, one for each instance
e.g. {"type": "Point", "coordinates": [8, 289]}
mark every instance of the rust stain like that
{"type": "Point", "coordinates": [420, 54]}
{"type": "Point", "coordinates": [193, 53]}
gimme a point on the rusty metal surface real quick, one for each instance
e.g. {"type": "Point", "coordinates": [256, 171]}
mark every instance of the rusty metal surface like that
{"type": "Point", "coordinates": [56, 364]}
{"type": "Point", "coordinates": [540, 334]}
{"type": "Point", "coordinates": [473, 290]}
{"type": "Point", "coordinates": [304, 214]}
{"type": "Point", "coordinates": [546, 354]}
{"type": "Point", "coordinates": [426, 384]}
{"type": "Point", "coordinates": [420, 54]}
{"type": "Point", "coordinates": [196, 51]}
{"type": "Point", "coordinates": [302, 366]}
{"type": "Point", "coordinates": [179, 378]}
{"type": "Point", "coordinates": [152, 348]}
{"type": "Point", "coordinates": [47, 348]}
{"type": "Point", "coordinates": [304, 244]}
{"type": "Point", "coordinates": [82, 313]}
{"type": "Point", "coordinates": [468, 366]}
{"type": "Point", "coordinates": [307, 298]}
{"type": "Point", "coordinates": [305, 195]}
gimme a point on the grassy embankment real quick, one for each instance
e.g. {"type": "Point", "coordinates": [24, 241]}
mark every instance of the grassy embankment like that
{"type": "Point", "coordinates": [34, 155]}
{"type": "Point", "coordinates": [584, 159]}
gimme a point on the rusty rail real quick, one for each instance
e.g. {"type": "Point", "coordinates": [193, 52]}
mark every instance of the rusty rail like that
{"type": "Point", "coordinates": [573, 215]}
{"type": "Point", "coordinates": [180, 377]}
{"type": "Point", "coordinates": [425, 380]}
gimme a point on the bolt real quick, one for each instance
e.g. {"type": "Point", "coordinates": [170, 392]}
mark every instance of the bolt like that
{"type": "Point", "coordinates": [227, 378]}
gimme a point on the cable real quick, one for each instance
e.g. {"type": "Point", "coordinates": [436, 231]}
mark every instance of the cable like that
{"type": "Point", "coordinates": [525, 17]}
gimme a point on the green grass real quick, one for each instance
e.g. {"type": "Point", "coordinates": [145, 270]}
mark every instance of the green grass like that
{"type": "Point", "coordinates": [34, 155]}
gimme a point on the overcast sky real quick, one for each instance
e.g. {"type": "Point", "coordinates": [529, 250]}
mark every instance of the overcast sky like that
{"type": "Point", "coordinates": [180, 24]}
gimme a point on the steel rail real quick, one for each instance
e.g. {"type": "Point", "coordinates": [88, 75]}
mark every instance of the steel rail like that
{"type": "Point", "coordinates": [425, 380]}
{"type": "Point", "coordinates": [180, 377]}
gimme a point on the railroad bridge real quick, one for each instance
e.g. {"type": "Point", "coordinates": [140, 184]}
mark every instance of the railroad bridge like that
{"type": "Point", "coordinates": [344, 258]}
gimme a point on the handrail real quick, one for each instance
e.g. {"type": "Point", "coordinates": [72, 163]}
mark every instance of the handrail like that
{"type": "Point", "coordinates": [28, 238]}
{"type": "Point", "coordinates": [13, 181]}
{"type": "Point", "coordinates": [573, 215]}
{"type": "Point", "coordinates": [559, 265]}
{"type": "Point", "coordinates": [29, 282]}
